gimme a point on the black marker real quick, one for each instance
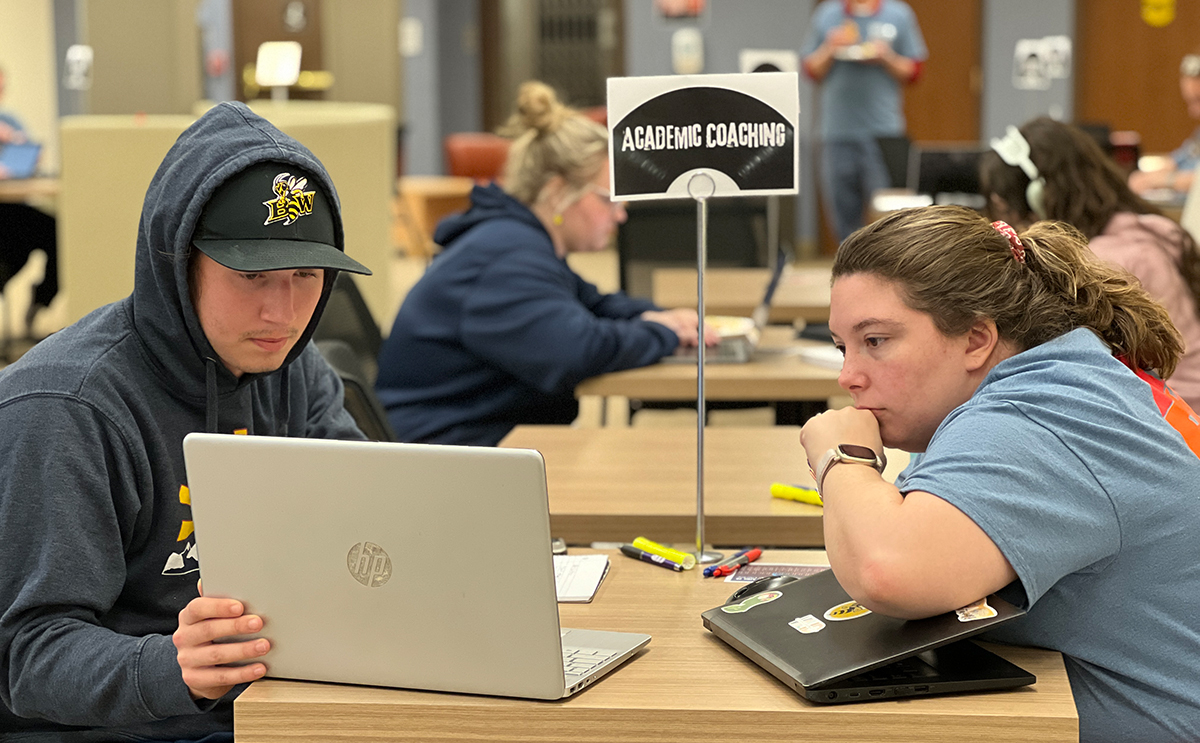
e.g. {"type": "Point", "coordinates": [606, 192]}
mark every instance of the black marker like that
{"type": "Point", "coordinates": [634, 552]}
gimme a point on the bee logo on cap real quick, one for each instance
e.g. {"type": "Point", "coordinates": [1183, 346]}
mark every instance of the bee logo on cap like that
{"type": "Point", "coordinates": [291, 200]}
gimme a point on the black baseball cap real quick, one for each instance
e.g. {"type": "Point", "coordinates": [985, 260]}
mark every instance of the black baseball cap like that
{"type": "Point", "coordinates": [270, 217]}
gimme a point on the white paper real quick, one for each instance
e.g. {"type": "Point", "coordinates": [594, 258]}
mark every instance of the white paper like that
{"type": "Point", "coordinates": [576, 577]}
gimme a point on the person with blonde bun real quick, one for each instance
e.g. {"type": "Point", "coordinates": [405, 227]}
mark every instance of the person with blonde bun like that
{"type": "Point", "coordinates": [1050, 466]}
{"type": "Point", "coordinates": [500, 330]}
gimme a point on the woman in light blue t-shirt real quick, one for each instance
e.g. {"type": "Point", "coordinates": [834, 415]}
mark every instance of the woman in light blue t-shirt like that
{"type": "Point", "coordinates": [1051, 464]}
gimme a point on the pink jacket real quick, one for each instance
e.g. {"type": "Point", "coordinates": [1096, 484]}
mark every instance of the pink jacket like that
{"type": "Point", "coordinates": [1149, 246]}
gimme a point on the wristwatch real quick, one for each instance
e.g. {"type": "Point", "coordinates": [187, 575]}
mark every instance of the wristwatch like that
{"type": "Point", "coordinates": [849, 454]}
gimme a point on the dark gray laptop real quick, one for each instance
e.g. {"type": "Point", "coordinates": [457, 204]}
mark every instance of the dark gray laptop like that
{"type": "Point", "coordinates": [814, 638]}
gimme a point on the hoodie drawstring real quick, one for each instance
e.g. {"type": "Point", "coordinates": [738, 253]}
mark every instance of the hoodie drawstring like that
{"type": "Point", "coordinates": [211, 406]}
{"type": "Point", "coordinates": [210, 397]}
{"type": "Point", "coordinates": [285, 403]}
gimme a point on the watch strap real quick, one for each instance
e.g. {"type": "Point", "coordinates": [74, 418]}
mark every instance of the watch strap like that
{"type": "Point", "coordinates": [847, 454]}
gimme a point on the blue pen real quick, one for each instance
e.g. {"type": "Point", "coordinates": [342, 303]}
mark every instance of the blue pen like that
{"type": "Point", "coordinates": [708, 571]}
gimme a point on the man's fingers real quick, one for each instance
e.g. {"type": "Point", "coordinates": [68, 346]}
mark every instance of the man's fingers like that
{"type": "Point", "coordinates": [197, 610]}
{"type": "Point", "coordinates": [199, 633]}
{"type": "Point", "coordinates": [213, 683]}
{"type": "Point", "coordinates": [221, 653]}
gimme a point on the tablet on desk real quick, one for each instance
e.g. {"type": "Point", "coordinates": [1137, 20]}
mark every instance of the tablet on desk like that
{"type": "Point", "coordinates": [20, 160]}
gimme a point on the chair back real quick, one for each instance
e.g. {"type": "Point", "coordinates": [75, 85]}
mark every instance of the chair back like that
{"type": "Point", "coordinates": [896, 153]}
{"type": "Point", "coordinates": [598, 114]}
{"type": "Point", "coordinates": [359, 397]}
{"type": "Point", "coordinates": [478, 155]}
{"type": "Point", "coordinates": [348, 319]}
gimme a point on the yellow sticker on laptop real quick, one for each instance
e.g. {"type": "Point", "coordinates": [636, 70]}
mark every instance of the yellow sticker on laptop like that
{"type": "Point", "coordinates": [848, 610]}
{"type": "Point", "coordinates": [976, 611]}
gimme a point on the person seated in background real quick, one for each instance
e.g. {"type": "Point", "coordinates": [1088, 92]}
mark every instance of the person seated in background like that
{"type": "Point", "coordinates": [1177, 169]}
{"type": "Point", "coordinates": [24, 229]}
{"type": "Point", "coordinates": [104, 635]}
{"type": "Point", "coordinates": [499, 330]}
{"type": "Point", "coordinates": [1080, 185]}
{"type": "Point", "coordinates": [1050, 465]}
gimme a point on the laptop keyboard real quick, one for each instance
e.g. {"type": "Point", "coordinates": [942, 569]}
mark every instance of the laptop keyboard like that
{"type": "Point", "coordinates": [582, 661]}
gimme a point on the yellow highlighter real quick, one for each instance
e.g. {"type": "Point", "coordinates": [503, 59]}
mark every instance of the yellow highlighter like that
{"type": "Point", "coordinates": [687, 560]}
{"type": "Point", "coordinates": [795, 492]}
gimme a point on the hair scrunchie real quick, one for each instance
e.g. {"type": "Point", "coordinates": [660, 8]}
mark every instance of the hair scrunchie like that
{"type": "Point", "coordinates": [1014, 242]}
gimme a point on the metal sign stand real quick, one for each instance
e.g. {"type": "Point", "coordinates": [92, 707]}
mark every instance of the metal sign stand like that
{"type": "Point", "coordinates": [701, 186]}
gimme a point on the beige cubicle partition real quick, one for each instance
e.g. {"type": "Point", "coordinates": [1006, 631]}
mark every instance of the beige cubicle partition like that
{"type": "Point", "coordinates": [107, 164]}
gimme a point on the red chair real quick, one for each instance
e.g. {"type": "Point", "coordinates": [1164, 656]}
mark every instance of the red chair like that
{"type": "Point", "coordinates": [598, 114]}
{"type": "Point", "coordinates": [478, 155]}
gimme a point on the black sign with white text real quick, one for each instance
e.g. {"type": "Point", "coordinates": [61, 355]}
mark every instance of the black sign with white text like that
{"type": "Point", "coordinates": [746, 144]}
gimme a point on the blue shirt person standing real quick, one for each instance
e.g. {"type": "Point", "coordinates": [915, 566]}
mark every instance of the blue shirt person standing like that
{"type": "Point", "coordinates": [861, 52]}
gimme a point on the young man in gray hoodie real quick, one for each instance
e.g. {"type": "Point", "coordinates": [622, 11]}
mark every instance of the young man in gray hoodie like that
{"type": "Point", "coordinates": [103, 632]}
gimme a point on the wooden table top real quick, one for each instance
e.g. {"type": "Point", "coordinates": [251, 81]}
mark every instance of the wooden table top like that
{"type": "Point", "coordinates": [686, 686]}
{"type": "Point", "coordinates": [775, 373]}
{"type": "Point", "coordinates": [615, 484]}
{"type": "Point", "coordinates": [23, 189]}
{"type": "Point", "coordinates": [435, 185]}
{"type": "Point", "coordinates": [803, 291]}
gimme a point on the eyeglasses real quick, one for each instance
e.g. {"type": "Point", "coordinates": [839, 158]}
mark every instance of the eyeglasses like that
{"type": "Point", "coordinates": [606, 194]}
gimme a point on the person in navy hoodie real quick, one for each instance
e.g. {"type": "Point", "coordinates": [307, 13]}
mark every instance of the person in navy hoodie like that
{"type": "Point", "coordinates": [104, 635]}
{"type": "Point", "coordinates": [499, 330]}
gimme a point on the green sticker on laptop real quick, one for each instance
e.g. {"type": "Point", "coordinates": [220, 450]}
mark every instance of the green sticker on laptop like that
{"type": "Point", "coordinates": [749, 603]}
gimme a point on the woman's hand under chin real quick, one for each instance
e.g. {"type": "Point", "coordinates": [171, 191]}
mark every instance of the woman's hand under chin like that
{"type": "Point", "coordinates": [844, 426]}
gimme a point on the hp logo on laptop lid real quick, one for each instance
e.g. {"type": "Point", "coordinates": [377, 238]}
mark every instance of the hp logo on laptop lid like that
{"type": "Point", "coordinates": [369, 564]}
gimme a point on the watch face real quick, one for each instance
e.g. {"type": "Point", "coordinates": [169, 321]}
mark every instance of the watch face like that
{"type": "Point", "coordinates": [854, 450]}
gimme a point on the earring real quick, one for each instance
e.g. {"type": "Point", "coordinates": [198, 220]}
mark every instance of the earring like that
{"type": "Point", "coordinates": [558, 219]}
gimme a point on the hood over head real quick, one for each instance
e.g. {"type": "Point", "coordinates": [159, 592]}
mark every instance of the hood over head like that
{"type": "Point", "coordinates": [228, 145]}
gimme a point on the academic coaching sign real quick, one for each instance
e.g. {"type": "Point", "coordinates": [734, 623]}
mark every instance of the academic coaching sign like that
{"type": "Point", "coordinates": [739, 129]}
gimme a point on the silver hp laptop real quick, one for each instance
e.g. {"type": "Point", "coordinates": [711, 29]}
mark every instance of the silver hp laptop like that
{"type": "Point", "coordinates": [816, 640]}
{"type": "Point", "coordinates": [405, 565]}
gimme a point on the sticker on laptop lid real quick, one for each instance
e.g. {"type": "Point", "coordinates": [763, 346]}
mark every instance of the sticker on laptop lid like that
{"type": "Point", "coordinates": [807, 624]}
{"type": "Point", "coordinates": [750, 602]}
{"type": "Point", "coordinates": [976, 611]}
{"type": "Point", "coordinates": [848, 610]}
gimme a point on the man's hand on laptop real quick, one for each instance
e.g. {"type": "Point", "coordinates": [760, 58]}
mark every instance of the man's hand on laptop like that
{"type": "Point", "coordinates": [204, 662]}
{"type": "Point", "coordinates": [683, 322]}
